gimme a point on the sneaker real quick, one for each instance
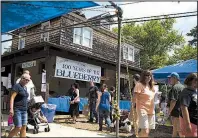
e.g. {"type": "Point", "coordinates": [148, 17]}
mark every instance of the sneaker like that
{"type": "Point", "coordinates": [100, 129]}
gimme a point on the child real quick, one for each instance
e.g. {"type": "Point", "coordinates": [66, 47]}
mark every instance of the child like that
{"type": "Point", "coordinates": [41, 117]}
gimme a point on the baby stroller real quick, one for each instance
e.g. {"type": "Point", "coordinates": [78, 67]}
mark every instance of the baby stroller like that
{"type": "Point", "coordinates": [35, 113]}
{"type": "Point", "coordinates": [124, 122]}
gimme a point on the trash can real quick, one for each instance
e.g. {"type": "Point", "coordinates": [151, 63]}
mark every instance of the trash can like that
{"type": "Point", "coordinates": [49, 111]}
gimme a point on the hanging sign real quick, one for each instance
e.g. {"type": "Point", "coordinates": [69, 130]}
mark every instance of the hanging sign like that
{"type": "Point", "coordinates": [29, 64]}
{"type": "Point", "coordinates": [2, 69]}
{"type": "Point", "coordinates": [70, 69]}
{"type": "Point", "coordinates": [9, 81]}
{"type": "Point", "coordinates": [44, 77]}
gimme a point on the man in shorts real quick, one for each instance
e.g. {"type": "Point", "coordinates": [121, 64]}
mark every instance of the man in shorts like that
{"type": "Point", "coordinates": [173, 103]}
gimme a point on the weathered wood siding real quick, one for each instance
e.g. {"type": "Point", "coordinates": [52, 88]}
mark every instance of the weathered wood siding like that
{"type": "Point", "coordinates": [104, 44]}
{"type": "Point", "coordinates": [54, 36]}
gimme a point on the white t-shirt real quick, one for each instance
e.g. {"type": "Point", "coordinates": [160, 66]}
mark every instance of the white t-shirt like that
{"type": "Point", "coordinates": [157, 95]}
{"type": "Point", "coordinates": [30, 88]}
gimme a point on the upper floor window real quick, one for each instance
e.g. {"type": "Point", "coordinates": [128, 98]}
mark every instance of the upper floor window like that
{"type": "Point", "coordinates": [21, 41]}
{"type": "Point", "coordinates": [128, 52]}
{"type": "Point", "coordinates": [83, 36]}
{"type": "Point", "coordinates": [45, 35]}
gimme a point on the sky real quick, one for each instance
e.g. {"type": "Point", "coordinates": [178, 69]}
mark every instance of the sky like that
{"type": "Point", "coordinates": [143, 9]}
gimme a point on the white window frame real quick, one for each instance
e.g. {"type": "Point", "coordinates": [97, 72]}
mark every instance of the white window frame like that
{"type": "Point", "coordinates": [126, 49]}
{"type": "Point", "coordinates": [83, 37]}
{"type": "Point", "coordinates": [43, 35]}
{"type": "Point", "coordinates": [21, 39]}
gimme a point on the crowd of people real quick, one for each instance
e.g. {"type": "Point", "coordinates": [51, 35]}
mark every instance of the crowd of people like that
{"type": "Point", "coordinates": [182, 104]}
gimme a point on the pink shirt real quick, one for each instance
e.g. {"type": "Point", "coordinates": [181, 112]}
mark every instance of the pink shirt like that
{"type": "Point", "coordinates": [144, 99]}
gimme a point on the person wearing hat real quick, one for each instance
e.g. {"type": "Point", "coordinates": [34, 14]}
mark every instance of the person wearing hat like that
{"type": "Point", "coordinates": [173, 102]}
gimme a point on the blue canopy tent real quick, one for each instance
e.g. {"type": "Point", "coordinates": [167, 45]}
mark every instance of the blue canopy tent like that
{"type": "Point", "coordinates": [182, 68]}
{"type": "Point", "coordinates": [17, 14]}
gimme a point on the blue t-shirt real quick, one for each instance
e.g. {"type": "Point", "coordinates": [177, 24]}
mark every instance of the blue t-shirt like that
{"type": "Point", "coordinates": [20, 101]}
{"type": "Point", "coordinates": [104, 102]}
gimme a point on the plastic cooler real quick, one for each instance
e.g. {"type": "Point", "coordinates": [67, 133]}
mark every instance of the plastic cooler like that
{"type": "Point", "coordinates": [49, 111]}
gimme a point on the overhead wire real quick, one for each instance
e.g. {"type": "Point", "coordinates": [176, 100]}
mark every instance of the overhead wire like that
{"type": "Point", "coordinates": [60, 27]}
{"type": "Point", "coordinates": [111, 23]}
{"type": "Point", "coordinates": [96, 8]}
{"type": "Point", "coordinates": [144, 20]}
{"type": "Point", "coordinates": [129, 3]}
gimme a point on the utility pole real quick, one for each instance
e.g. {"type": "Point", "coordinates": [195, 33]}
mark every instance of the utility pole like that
{"type": "Point", "coordinates": [119, 13]}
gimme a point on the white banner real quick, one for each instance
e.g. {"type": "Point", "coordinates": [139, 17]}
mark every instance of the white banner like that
{"type": "Point", "coordinates": [44, 77]}
{"type": "Point", "coordinates": [66, 68]}
{"type": "Point", "coordinates": [9, 81]}
{"type": "Point", "coordinates": [2, 69]}
{"type": "Point", "coordinates": [29, 64]}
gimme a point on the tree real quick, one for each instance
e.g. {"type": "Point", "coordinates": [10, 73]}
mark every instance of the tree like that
{"type": "Point", "coordinates": [193, 33]}
{"type": "Point", "coordinates": [157, 37]}
{"type": "Point", "coordinates": [184, 53]}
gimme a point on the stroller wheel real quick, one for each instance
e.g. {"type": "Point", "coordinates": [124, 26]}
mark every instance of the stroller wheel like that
{"type": "Point", "coordinates": [34, 131]}
{"type": "Point", "coordinates": [48, 129]}
{"type": "Point", "coordinates": [36, 127]}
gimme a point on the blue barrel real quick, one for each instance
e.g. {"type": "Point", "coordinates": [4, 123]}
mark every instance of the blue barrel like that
{"type": "Point", "coordinates": [49, 111]}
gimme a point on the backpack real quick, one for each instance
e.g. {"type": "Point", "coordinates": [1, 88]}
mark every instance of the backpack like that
{"type": "Point", "coordinates": [104, 101]}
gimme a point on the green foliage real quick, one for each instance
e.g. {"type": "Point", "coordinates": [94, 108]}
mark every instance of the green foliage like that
{"type": "Point", "coordinates": [184, 53]}
{"type": "Point", "coordinates": [193, 33]}
{"type": "Point", "coordinates": [157, 37]}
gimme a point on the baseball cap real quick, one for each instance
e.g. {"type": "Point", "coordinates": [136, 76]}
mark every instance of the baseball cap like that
{"type": "Point", "coordinates": [174, 74]}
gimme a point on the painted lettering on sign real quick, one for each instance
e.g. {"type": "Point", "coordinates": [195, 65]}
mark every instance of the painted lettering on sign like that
{"type": "Point", "coordinates": [28, 64]}
{"type": "Point", "coordinates": [70, 69]}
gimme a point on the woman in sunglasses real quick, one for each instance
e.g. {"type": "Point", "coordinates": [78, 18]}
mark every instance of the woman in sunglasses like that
{"type": "Point", "coordinates": [144, 98]}
{"type": "Point", "coordinates": [18, 106]}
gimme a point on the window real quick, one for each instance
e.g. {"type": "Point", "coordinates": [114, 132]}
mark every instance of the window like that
{"type": "Point", "coordinates": [21, 41]}
{"type": "Point", "coordinates": [45, 26]}
{"type": "Point", "coordinates": [83, 36]}
{"type": "Point", "coordinates": [137, 56]}
{"type": "Point", "coordinates": [128, 52]}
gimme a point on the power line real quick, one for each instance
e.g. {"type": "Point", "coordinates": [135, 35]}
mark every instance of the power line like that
{"type": "Point", "coordinates": [78, 9]}
{"type": "Point", "coordinates": [129, 3]}
{"type": "Point", "coordinates": [69, 26]}
{"type": "Point", "coordinates": [143, 20]}
{"type": "Point", "coordinates": [57, 7]}
{"type": "Point", "coordinates": [162, 15]}
{"type": "Point", "coordinates": [94, 20]}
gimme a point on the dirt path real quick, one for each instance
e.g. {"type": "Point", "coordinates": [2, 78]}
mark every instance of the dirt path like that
{"type": "Point", "coordinates": [161, 131]}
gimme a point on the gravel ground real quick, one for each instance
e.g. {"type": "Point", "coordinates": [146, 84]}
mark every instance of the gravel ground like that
{"type": "Point", "coordinates": [161, 131]}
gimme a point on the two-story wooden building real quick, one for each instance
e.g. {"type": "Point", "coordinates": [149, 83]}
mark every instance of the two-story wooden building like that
{"type": "Point", "coordinates": [94, 46]}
